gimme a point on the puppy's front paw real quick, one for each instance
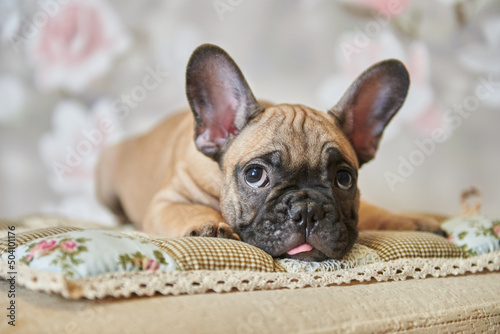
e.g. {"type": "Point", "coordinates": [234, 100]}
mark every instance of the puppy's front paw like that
{"type": "Point", "coordinates": [213, 229]}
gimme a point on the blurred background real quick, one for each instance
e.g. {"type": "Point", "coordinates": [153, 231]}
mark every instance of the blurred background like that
{"type": "Point", "coordinates": [78, 75]}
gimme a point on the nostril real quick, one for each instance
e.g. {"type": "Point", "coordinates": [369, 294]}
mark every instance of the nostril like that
{"type": "Point", "coordinates": [316, 212]}
{"type": "Point", "coordinates": [298, 213]}
{"type": "Point", "coordinates": [295, 215]}
{"type": "Point", "coordinates": [316, 218]}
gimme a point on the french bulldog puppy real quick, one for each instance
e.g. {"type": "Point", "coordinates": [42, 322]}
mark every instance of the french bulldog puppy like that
{"type": "Point", "coordinates": [280, 177]}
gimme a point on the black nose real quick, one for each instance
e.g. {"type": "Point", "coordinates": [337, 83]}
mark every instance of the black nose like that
{"type": "Point", "coordinates": [306, 214]}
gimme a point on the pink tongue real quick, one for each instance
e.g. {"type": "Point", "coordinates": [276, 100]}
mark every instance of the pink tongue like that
{"type": "Point", "coordinates": [300, 249]}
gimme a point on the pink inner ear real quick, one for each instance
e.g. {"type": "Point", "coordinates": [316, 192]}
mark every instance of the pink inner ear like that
{"type": "Point", "coordinates": [224, 114]}
{"type": "Point", "coordinates": [220, 125]}
{"type": "Point", "coordinates": [226, 117]}
{"type": "Point", "coordinates": [367, 127]}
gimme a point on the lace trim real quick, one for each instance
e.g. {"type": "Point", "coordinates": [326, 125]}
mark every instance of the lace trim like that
{"type": "Point", "coordinates": [147, 283]}
{"type": "Point", "coordinates": [359, 255]}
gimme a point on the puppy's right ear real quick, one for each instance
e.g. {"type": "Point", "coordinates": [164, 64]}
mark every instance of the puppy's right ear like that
{"type": "Point", "coordinates": [219, 96]}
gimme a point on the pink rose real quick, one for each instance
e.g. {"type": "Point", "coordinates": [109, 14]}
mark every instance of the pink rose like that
{"type": "Point", "coordinates": [42, 248]}
{"type": "Point", "coordinates": [496, 229]}
{"type": "Point", "coordinates": [77, 44]}
{"type": "Point", "coordinates": [451, 239]}
{"type": "Point", "coordinates": [68, 246]}
{"type": "Point", "coordinates": [152, 265]}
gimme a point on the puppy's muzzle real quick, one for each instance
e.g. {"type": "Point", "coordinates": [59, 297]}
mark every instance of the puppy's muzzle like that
{"type": "Point", "coordinates": [317, 232]}
{"type": "Point", "coordinates": [306, 214]}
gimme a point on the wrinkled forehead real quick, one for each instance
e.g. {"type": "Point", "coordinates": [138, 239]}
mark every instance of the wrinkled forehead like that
{"type": "Point", "coordinates": [293, 133]}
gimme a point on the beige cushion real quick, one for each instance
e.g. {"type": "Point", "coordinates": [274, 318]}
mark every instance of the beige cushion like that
{"type": "Point", "coordinates": [463, 304]}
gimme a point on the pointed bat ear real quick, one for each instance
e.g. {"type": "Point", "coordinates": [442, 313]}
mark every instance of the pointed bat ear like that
{"type": "Point", "coordinates": [220, 99]}
{"type": "Point", "coordinates": [369, 104]}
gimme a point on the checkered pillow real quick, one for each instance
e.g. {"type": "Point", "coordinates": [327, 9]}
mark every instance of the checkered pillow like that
{"type": "Point", "coordinates": [392, 245]}
{"type": "Point", "coordinates": [216, 254]}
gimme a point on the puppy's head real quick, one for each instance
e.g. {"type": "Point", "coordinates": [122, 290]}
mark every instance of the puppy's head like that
{"type": "Point", "coordinates": [290, 172]}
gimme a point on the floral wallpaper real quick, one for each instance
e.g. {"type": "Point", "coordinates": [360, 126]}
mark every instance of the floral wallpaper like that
{"type": "Point", "coordinates": [77, 75]}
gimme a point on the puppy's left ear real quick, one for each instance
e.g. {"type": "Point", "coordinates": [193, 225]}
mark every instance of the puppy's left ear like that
{"type": "Point", "coordinates": [369, 104]}
{"type": "Point", "coordinates": [220, 98]}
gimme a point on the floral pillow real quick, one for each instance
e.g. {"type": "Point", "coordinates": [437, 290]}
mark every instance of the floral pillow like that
{"type": "Point", "coordinates": [474, 234]}
{"type": "Point", "coordinates": [80, 254]}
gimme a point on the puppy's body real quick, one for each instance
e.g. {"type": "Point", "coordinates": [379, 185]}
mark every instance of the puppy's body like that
{"type": "Point", "coordinates": [280, 177]}
{"type": "Point", "coordinates": [160, 168]}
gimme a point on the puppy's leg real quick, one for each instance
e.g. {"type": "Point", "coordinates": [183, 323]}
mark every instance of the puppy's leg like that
{"type": "Point", "coordinates": [183, 219]}
{"type": "Point", "coordinates": [374, 218]}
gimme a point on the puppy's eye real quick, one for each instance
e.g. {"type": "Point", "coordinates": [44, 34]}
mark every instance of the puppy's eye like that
{"type": "Point", "coordinates": [344, 180]}
{"type": "Point", "coordinates": [256, 177]}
